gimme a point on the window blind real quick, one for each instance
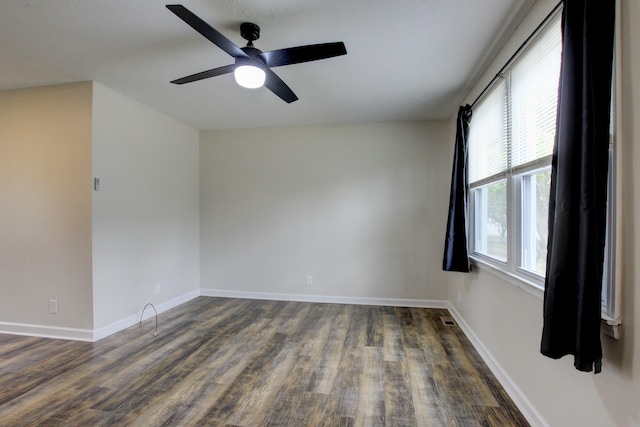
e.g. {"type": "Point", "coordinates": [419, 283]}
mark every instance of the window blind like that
{"type": "Point", "coordinates": [514, 123]}
{"type": "Point", "coordinates": [488, 153]}
{"type": "Point", "coordinates": [534, 92]}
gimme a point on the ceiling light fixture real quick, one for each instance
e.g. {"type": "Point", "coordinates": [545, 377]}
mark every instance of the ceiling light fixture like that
{"type": "Point", "coordinates": [249, 74]}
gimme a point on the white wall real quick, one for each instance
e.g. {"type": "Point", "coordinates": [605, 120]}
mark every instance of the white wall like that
{"type": "Point", "coordinates": [145, 215]}
{"type": "Point", "coordinates": [508, 320]}
{"type": "Point", "coordinates": [45, 207]}
{"type": "Point", "coordinates": [360, 207]}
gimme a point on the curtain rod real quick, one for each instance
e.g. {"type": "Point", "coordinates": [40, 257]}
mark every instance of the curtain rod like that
{"type": "Point", "coordinates": [517, 52]}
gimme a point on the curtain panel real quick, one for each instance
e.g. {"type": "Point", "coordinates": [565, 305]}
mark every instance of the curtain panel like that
{"type": "Point", "coordinates": [456, 257]}
{"type": "Point", "coordinates": [578, 195]}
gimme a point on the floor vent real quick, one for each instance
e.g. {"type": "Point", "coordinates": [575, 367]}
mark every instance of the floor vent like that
{"type": "Point", "coordinates": [448, 321]}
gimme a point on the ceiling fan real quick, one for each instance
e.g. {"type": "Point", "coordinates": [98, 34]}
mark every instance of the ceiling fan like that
{"type": "Point", "coordinates": [252, 67]}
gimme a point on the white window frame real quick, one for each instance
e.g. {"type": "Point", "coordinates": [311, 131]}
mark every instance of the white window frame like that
{"type": "Point", "coordinates": [512, 266]}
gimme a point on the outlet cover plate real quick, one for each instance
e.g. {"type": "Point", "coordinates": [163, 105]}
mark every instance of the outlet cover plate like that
{"type": "Point", "coordinates": [53, 306]}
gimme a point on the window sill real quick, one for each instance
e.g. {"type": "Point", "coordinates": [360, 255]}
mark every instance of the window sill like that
{"type": "Point", "coordinates": [610, 326]}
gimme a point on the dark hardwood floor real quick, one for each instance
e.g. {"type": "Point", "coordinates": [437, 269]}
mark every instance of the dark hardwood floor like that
{"type": "Point", "coordinates": [232, 362]}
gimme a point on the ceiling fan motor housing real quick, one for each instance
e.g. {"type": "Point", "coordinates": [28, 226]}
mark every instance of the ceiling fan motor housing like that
{"type": "Point", "coordinates": [253, 53]}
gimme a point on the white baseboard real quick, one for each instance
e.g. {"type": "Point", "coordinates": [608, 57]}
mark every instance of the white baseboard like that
{"type": "Point", "coordinates": [515, 393]}
{"type": "Point", "coordinates": [43, 331]}
{"type": "Point", "coordinates": [89, 335]}
{"type": "Point", "coordinates": [128, 321]}
{"type": "Point", "coordinates": [391, 302]}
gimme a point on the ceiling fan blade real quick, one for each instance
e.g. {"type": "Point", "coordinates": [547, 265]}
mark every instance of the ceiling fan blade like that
{"type": "Point", "coordinates": [206, 30]}
{"type": "Point", "coordinates": [295, 55]}
{"type": "Point", "coordinates": [280, 88]}
{"type": "Point", "coordinates": [205, 74]}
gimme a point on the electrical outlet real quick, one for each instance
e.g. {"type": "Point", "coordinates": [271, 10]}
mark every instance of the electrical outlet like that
{"type": "Point", "coordinates": [309, 280]}
{"type": "Point", "coordinates": [157, 288]}
{"type": "Point", "coordinates": [53, 306]}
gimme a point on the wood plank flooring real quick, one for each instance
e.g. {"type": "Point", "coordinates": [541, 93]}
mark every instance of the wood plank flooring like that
{"type": "Point", "coordinates": [232, 362]}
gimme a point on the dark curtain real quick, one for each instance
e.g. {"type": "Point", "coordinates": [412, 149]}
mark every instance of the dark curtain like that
{"type": "Point", "coordinates": [456, 257]}
{"type": "Point", "coordinates": [578, 196]}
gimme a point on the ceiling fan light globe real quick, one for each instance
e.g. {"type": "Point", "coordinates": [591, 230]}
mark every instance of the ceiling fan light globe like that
{"type": "Point", "coordinates": [249, 76]}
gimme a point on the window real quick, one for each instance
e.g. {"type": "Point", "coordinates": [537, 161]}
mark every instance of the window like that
{"type": "Point", "coordinates": [511, 140]}
{"type": "Point", "coordinates": [510, 145]}
{"type": "Point", "coordinates": [535, 205]}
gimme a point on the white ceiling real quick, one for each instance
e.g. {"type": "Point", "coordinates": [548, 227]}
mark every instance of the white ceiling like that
{"type": "Point", "coordinates": [407, 59]}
